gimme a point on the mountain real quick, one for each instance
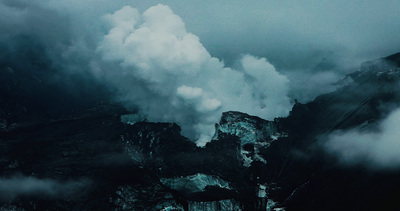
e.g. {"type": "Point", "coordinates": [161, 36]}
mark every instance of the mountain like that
{"type": "Point", "coordinates": [97, 155]}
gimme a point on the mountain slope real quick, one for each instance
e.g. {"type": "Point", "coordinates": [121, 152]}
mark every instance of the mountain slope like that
{"type": "Point", "coordinates": [87, 159]}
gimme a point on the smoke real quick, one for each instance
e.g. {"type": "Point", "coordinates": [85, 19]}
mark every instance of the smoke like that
{"type": "Point", "coordinates": [378, 149]}
{"type": "Point", "coordinates": [179, 80]}
{"type": "Point", "coordinates": [156, 62]}
{"type": "Point", "coordinates": [16, 186]}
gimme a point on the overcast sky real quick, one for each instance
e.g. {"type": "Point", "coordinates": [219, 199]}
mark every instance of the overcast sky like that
{"type": "Point", "coordinates": [288, 32]}
{"type": "Point", "coordinates": [298, 37]}
{"type": "Point", "coordinates": [188, 61]}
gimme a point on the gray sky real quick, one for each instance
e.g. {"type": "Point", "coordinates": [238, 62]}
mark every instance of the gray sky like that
{"type": "Point", "coordinates": [287, 32]}
{"type": "Point", "coordinates": [297, 31]}
{"type": "Point", "coordinates": [298, 37]}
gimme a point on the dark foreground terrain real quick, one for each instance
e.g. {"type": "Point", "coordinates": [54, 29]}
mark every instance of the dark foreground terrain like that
{"type": "Point", "coordinates": [59, 153]}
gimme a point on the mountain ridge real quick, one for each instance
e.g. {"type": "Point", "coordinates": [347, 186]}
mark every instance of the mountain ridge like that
{"type": "Point", "coordinates": [250, 164]}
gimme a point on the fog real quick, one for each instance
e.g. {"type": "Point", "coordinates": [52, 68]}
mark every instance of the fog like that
{"type": "Point", "coordinates": [20, 185]}
{"type": "Point", "coordinates": [378, 149]}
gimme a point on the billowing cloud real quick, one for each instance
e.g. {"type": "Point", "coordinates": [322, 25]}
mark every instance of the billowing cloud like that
{"type": "Point", "coordinates": [180, 77]}
{"type": "Point", "coordinates": [174, 64]}
{"type": "Point", "coordinates": [296, 37]}
{"type": "Point", "coordinates": [379, 149]}
{"type": "Point", "coordinates": [19, 185]}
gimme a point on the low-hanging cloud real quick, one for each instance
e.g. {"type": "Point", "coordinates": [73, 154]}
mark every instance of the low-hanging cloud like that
{"type": "Point", "coordinates": [379, 149]}
{"type": "Point", "coordinates": [19, 185]}
{"type": "Point", "coordinates": [182, 81]}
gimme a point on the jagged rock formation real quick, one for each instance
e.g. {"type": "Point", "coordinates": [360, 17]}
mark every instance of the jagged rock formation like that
{"type": "Point", "coordinates": [255, 134]}
{"type": "Point", "coordinates": [194, 183]}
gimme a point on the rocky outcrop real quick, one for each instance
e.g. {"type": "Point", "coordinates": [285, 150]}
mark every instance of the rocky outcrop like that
{"type": "Point", "coordinates": [249, 129]}
{"type": "Point", "coordinates": [255, 134]}
{"type": "Point", "coordinates": [195, 183]}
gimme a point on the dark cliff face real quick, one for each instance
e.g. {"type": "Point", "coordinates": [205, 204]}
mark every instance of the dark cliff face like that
{"type": "Point", "coordinates": [251, 163]}
{"type": "Point", "coordinates": [370, 94]}
{"type": "Point", "coordinates": [369, 97]}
